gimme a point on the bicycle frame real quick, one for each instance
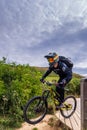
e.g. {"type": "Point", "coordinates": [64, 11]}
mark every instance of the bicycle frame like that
{"type": "Point", "coordinates": [53, 93]}
{"type": "Point", "coordinates": [38, 105]}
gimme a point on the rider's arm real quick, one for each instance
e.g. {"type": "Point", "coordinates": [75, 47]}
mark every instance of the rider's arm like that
{"type": "Point", "coordinates": [47, 73]}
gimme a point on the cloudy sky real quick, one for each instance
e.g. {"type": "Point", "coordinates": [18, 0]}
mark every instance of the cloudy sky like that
{"type": "Point", "coordinates": [29, 29]}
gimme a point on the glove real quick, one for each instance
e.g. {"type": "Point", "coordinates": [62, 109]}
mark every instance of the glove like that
{"type": "Point", "coordinates": [42, 80]}
{"type": "Point", "coordinates": [56, 84]}
{"type": "Point", "coordinates": [63, 83]}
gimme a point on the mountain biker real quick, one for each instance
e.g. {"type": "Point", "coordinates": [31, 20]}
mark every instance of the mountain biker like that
{"type": "Point", "coordinates": [60, 68]}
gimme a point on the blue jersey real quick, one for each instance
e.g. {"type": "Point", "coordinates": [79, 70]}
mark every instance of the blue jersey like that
{"type": "Point", "coordinates": [62, 70]}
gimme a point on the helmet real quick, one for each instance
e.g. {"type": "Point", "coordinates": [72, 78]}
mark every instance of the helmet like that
{"type": "Point", "coordinates": [52, 58]}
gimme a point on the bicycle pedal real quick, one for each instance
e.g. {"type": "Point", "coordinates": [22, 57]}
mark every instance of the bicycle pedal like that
{"type": "Point", "coordinates": [59, 107]}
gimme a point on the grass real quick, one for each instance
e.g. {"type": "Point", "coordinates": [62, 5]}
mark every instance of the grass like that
{"type": "Point", "coordinates": [35, 128]}
{"type": "Point", "coordinates": [52, 78]}
{"type": "Point", "coordinates": [8, 123]}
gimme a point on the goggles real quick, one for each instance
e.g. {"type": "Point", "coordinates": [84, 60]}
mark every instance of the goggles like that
{"type": "Point", "coordinates": [51, 60]}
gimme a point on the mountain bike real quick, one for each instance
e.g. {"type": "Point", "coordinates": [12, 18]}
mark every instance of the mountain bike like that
{"type": "Point", "coordinates": [36, 108]}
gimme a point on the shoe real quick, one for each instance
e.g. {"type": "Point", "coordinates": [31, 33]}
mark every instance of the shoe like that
{"type": "Point", "coordinates": [59, 106]}
{"type": "Point", "coordinates": [67, 106]}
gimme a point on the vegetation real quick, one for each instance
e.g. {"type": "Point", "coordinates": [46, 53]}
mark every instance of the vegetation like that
{"type": "Point", "coordinates": [18, 83]}
{"type": "Point", "coordinates": [35, 129]}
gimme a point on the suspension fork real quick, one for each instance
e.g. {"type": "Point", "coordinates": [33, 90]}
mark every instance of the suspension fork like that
{"type": "Point", "coordinates": [45, 94]}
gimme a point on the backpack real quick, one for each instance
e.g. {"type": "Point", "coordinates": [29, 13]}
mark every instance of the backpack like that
{"type": "Point", "coordinates": [67, 61]}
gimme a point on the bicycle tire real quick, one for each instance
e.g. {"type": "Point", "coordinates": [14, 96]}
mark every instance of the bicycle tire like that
{"type": "Point", "coordinates": [40, 101]}
{"type": "Point", "coordinates": [65, 113]}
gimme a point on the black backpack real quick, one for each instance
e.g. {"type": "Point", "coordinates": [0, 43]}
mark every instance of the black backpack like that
{"type": "Point", "coordinates": [67, 61]}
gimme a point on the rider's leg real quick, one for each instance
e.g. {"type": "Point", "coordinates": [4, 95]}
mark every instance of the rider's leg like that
{"type": "Point", "coordinates": [60, 91]}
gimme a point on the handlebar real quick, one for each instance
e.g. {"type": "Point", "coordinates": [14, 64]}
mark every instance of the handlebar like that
{"type": "Point", "coordinates": [48, 83]}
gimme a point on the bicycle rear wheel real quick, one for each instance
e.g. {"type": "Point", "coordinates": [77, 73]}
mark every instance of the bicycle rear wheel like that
{"type": "Point", "coordinates": [35, 110]}
{"type": "Point", "coordinates": [69, 106]}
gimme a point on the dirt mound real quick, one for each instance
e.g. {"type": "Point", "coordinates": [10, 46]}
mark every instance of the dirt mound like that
{"type": "Point", "coordinates": [48, 123]}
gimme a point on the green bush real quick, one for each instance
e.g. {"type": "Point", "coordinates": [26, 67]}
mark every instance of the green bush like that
{"type": "Point", "coordinates": [74, 87]}
{"type": "Point", "coordinates": [18, 83]}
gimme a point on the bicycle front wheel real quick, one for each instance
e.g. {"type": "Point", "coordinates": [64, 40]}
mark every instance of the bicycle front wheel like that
{"type": "Point", "coordinates": [35, 110]}
{"type": "Point", "coordinates": [69, 106]}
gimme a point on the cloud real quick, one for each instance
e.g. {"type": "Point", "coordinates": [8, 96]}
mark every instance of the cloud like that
{"type": "Point", "coordinates": [29, 30]}
{"type": "Point", "coordinates": [81, 71]}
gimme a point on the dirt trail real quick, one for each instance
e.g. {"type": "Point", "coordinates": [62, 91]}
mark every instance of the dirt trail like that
{"type": "Point", "coordinates": [43, 125]}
